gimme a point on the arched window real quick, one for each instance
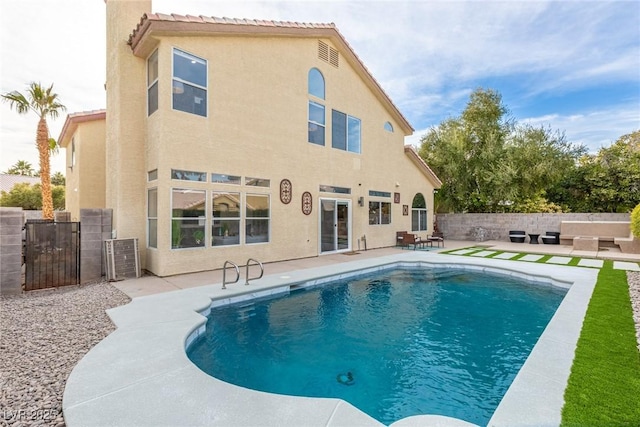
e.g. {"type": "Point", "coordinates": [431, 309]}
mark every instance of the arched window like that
{"type": "Point", "coordinates": [388, 127]}
{"type": "Point", "coordinates": [316, 83]}
{"type": "Point", "coordinates": [316, 118]}
{"type": "Point", "coordinates": [418, 213]}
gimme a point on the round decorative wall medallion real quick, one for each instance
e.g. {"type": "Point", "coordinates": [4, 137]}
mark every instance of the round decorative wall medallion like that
{"type": "Point", "coordinates": [307, 203]}
{"type": "Point", "coordinates": [285, 191]}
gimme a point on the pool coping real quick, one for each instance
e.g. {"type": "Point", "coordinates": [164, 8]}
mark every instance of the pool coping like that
{"type": "Point", "coordinates": [140, 374]}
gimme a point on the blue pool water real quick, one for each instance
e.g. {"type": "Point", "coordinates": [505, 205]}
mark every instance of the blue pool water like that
{"type": "Point", "coordinates": [398, 343]}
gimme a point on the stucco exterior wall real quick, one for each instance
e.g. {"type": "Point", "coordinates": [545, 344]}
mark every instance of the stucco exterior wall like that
{"type": "Point", "coordinates": [125, 121]}
{"type": "Point", "coordinates": [257, 127]}
{"type": "Point", "coordinates": [88, 192]}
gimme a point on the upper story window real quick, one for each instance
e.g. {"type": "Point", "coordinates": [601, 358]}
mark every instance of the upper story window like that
{"type": "Point", "coordinates": [152, 83]}
{"type": "Point", "coordinates": [316, 123]}
{"type": "Point", "coordinates": [345, 132]}
{"type": "Point", "coordinates": [316, 83]}
{"type": "Point", "coordinates": [189, 83]}
{"type": "Point", "coordinates": [73, 152]}
{"type": "Point", "coordinates": [388, 127]}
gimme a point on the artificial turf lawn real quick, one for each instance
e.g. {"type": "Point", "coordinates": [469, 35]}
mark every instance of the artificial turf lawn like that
{"type": "Point", "coordinates": [604, 385]}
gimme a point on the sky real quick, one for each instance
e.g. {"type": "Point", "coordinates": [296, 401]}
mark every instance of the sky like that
{"type": "Point", "coordinates": [571, 66]}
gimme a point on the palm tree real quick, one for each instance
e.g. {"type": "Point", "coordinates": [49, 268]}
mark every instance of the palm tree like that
{"type": "Point", "coordinates": [21, 167]}
{"type": "Point", "coordinates": [45, 104]}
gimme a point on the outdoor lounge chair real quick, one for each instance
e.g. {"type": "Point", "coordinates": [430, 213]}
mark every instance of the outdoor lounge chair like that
{"type": "Point", "coordinates": [436, 237]}
{"type": "Point", "coordinates": [412, 239]}
{"type": "Point", "coordinates": [400, 238]}
{"type": "Point", "coordinates": [517, 236]}
{"type": "Point", "coordinates": [551, 238]}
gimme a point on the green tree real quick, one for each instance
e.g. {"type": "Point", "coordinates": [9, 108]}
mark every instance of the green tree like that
{"type": "Point", "coordinates": [58, 179]}
{"type": "Point", "coordinates": [467, 154]}
{"type": "Point", "coordinates": [489, 163]}
{"type": "Point", "coordinates": [539, 157]}
{"type": "Point", "coordinates": [21, 167]}
{"type": "Point", "coordinates": [608, 181]}
{"type": "Point", "coordinates": [45, 104]}
{"type": "Point", "coordinates": [29, 197]}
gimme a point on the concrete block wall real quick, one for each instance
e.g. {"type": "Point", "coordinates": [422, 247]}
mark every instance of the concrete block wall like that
{"type": "Point", "coordinates": [95, 227]}
{"type": "Point", "coordinates": [32, 215]}
{"type": "Point", "coordinates": [11, 223]}
{"type": "Point", "coordinates": [481, 227]}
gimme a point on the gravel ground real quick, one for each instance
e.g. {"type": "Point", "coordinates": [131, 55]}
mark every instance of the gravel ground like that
{"type": "Point", "coordinates": [43, 335]}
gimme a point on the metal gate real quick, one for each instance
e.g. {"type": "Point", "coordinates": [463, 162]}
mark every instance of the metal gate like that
{"type": "Point", "coordinates": [51, 254]}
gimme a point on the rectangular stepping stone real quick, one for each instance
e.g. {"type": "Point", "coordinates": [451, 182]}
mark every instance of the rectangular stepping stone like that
{"type": "Point", "coordinates": [598, 263]}
{"type": "Point", "coordinates": [506, 255]}
{"type": "Point", "coordinates": [531, 257]}
{"type": "Point", "coordinates": [559, 260]}
{"type": "Point", "coordinates": [628, 266]}
{"type": "Point", "coordinates": [463, 251]}
{"type": "Point", "coordinates": [484, 253]}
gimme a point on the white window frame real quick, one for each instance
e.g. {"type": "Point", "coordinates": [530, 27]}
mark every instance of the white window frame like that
{"type": "Point", "coordinates": [238, 219]}
{"type": "Point", "coordinates": [178, 79]}
{"type": "Point", "coordinates": [247, 217]}
{"type": "Point", "coordinates": [378, 220]}
{"type": "Point", "coordinates": [309, 122]}
{"type": "Point", "coordinates": [418, 211]}
{"type": "Point", "coordinates": [348, 141]}
{"type": "Point", "coordinates": [201, 220]}
{"type": "Point", "coordinates": [155, 83]}
{"type": "Point", "coordinates": [150, 218]}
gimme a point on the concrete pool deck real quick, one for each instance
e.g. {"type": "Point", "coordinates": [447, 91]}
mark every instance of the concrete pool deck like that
{"type": "Point", "coordinates": [140, 374]}
{"type": "Point", "coordinates": [149, 285]}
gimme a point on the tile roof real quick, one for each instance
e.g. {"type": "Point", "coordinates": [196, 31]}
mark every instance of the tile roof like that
{"type": "Point", "coordinates": [7, 181]}
{"type": "Point", "coordinates": [201, 25]}
{"type": "Point", "coordinates": [149, 17]}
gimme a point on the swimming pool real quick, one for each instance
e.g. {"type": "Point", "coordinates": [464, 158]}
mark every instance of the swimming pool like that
{"type": "Point", "coordinates": [140, 375]}
{"type": "Point", "coordinates": [397, 343]}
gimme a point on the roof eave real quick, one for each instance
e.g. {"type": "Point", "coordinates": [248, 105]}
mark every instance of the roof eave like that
{"type": "Point", "coordinates": [423, 166]}
{"type": "Point", "coordinates": [71, 124]}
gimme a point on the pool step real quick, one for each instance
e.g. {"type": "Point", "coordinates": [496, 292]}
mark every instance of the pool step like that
{"type": "Point", "coordinates": [246, 311]}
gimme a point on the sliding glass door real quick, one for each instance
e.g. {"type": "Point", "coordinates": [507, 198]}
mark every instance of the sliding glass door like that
{"type": "Point", "coordinates": [335, 225]}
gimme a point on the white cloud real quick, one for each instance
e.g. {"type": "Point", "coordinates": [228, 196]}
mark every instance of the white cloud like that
{"type": "Point", "coordinates": [595, 129]}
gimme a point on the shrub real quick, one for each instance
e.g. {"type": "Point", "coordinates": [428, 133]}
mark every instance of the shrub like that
{"type": "Point", "coordinates": [635, 221]}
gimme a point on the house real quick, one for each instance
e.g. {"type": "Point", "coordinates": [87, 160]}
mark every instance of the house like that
{"type": "Point", "coordinates": [229, 139]}
{"type": "Point", "coordinates": [83, 136]}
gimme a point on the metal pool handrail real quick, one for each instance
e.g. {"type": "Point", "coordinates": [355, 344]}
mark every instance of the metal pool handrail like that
{"type": "Point", "coordinates": [256, 262]}
{"type": "Point", "coordinates": [224, 274]}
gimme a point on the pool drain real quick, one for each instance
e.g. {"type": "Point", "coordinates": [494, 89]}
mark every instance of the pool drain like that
{"type": "Point", "coordinates": [346, 379]}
